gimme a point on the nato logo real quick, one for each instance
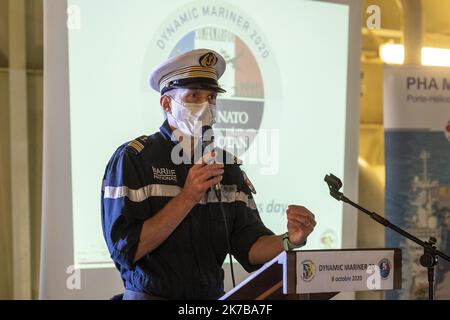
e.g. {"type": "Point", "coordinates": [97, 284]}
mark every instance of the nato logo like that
{"type": "Point", "coordinates": [385, 268]}
{"type": "Point", "coordinates": [309, 270]}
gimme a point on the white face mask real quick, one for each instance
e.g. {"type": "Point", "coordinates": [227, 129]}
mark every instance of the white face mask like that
{"type": "Point", "coordinates": [189, 118]}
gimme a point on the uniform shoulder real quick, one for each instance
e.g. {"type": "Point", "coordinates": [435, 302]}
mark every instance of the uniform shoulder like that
{"type": "Point", "coordinates": [235, 163]}
{"type": "Point", "coordinates": [137, 145]}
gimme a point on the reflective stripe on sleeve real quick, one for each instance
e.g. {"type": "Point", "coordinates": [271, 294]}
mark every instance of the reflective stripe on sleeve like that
{"type": "Point", "coordinates": [228, 197]}
{"type": "Point", "coordinates": [139, 195]}
{"type": "Point", "coordinates": [163, 190]}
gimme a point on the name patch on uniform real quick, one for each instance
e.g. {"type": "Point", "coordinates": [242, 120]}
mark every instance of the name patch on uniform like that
{"type": "Point", "coordinates": [164, 174]}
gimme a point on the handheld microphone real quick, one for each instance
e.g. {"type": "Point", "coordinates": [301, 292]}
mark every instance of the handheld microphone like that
{"type": "Point", "coordinates": [208, 144]}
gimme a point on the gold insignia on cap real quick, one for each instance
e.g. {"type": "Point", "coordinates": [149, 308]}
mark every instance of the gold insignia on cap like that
{"type": "Point", "coordinates": [208, 60]}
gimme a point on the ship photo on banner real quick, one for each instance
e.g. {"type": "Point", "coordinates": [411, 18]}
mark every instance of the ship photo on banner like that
{"type": "Point", "coordinates": [417, 152]}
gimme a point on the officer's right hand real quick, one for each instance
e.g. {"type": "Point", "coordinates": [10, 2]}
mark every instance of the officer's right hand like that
{"type": "Point", "coordinates": [200, 178]}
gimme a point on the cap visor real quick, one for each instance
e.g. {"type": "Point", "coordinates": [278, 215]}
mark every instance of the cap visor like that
{"type": "Point", "coordinates": [204, 86]}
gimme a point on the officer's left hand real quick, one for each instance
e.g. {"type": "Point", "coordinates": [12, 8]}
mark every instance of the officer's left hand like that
{"type": "Point", "coordinates": [300, 224]}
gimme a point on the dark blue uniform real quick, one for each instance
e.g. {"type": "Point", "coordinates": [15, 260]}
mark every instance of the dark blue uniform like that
{"type": "Point", "coordinates": [140, 179]}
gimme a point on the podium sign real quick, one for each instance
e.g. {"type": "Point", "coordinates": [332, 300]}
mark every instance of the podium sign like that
{"type": "Point", "coordinates": [321, 274]}
{"type": "Point", "coordinates": [345, 271]}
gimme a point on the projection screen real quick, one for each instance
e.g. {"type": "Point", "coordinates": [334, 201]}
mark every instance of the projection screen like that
{"type": "Point", "coordinates": [292, 80]}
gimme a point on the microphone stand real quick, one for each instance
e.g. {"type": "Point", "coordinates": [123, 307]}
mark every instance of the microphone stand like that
{"type": "Point", "coordinates": [431, 255]}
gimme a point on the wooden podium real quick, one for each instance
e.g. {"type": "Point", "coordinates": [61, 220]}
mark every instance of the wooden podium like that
{"type": "Point", "coordinates": [279, 279]}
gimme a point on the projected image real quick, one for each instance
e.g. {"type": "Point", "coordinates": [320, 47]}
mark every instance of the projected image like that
{"type": "Point", "coordinates": [274, 116]}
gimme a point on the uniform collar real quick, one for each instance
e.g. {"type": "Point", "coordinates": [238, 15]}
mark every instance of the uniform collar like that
{"type": "Point", "coordinates": [167, 133]}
